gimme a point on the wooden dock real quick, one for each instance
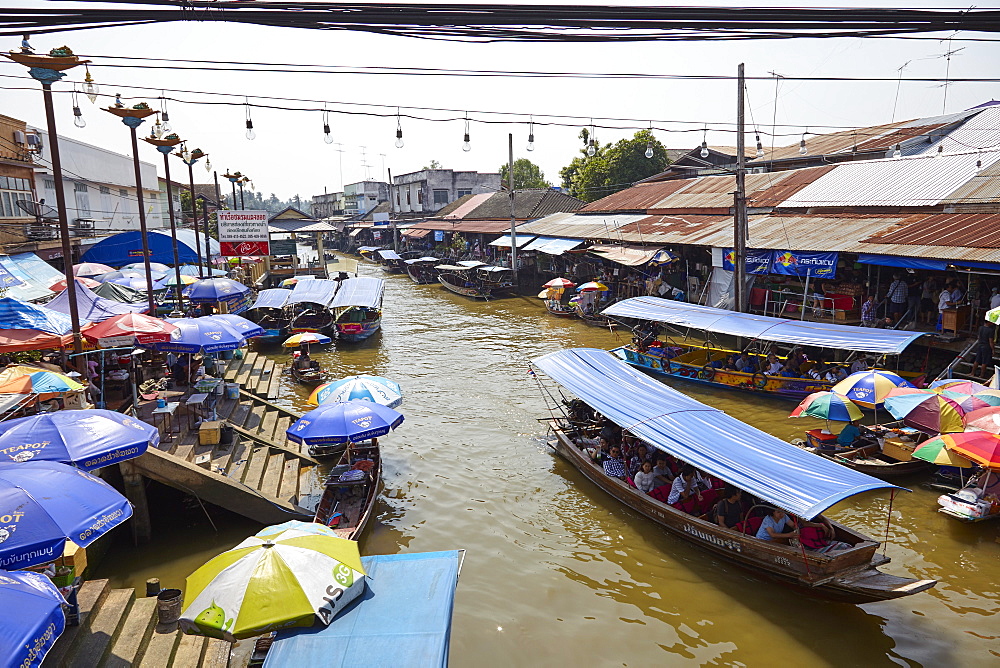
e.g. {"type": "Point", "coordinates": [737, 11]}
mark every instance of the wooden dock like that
{"type": "Point", "coordinates": [119, 629]}
{"type": "Point", "coordinates": [259, 474]}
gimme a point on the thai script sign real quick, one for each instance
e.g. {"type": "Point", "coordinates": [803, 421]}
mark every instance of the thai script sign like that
{"type": "Point", "coordinates": [243, 233]}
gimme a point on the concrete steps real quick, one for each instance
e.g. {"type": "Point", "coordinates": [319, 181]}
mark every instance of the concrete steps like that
{"type": "Point", "coordinates": [118, 630]}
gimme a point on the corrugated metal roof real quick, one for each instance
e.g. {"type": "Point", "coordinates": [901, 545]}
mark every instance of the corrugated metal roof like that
{"type": "Point", "coordinates": [472, 226]}
{"type": "Point", "coordinates": [468, 205]}
{"type": "Point", "coordinates": [673, 229]}
{"type": "Point", "coordinates": [637, 198]}
{"type": "Point", "coordinates": [983, 188]}
{"type": "Point", "coordinates": [907, 181]}
{"type": "Point", "coordinates": [832, 143]}
{"type": "Point", "coordinates": [980, 230]}
{"type": "Point", "coordinates": [716, 192]}
{"type": "Point", "coordinates": [580, 226]}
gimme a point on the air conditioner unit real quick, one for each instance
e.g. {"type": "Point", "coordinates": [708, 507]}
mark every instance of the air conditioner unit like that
{"type": "Point", "coordinates": [19, 137]}
{"type": "Point", "coordinates": [85, 224]}
{"type": "Point", "coordinates": [35, 140]}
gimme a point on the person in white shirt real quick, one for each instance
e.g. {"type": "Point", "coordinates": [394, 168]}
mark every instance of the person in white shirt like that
{"type": "Point", "coordinates": [645, 480]}
{"type": "Point", "coordinates": [944, 299]}
{"type": "Point", "coordinates": [995, 299]}
{"type": "Point", "coordinates": [774, 365]}
{"type": "Point", "coordinates": [860, 364]}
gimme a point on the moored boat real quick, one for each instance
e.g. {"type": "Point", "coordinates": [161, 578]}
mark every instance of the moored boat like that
{"type": "Point", "coordinates": [391, 262]}
{"type": "Point", "coordinates": [350, 490]}
{"type": "Point", "coordinates": [559, 309]}
{"type": "Point", "coordinates": [778, 474]}
{"type": "Point", "coordinates": [421, 270]}
{"type": "Point", "coordinates": [471, 278]}
{"type": "Point", "coordinates": [885, 461]}
{"type": "Point", "coordinates": [357, 308]}
{"type": "Point", "coordinates": [270, 312]}
{"type": "Point", "coordinates": [311, 299]}
{"type": "Point", "coordinates": [308, 376]}
{"type": "Point", "coordinates": [706, 362]}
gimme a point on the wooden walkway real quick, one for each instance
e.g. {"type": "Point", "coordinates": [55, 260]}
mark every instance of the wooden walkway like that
{"type": "Point", "coordinates": [260, 474]}
{"type": "Point", "coordinates": [117, 629]}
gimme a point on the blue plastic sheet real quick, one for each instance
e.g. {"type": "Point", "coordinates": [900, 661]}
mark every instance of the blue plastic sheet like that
{"type": "Point", "coordinates": [319, 291]}
{"type": "Point", "coordinates": [402, 619]}
{"type": "Point", "coordinates": [765, 328]}
{"type": "Point", "coordinates": [908, 262]}
{"type": "Point", "coordinates": [363, 291]}
{"type": "Point", "coordinates": [15, 314]}
{"type": "Point", "coordinates": [755, 461]}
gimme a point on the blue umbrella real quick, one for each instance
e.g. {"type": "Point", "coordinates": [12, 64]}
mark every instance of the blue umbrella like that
{"type": "Point", "coordinates": [214, 290]}
{"type": "Point", "coordinates": [31, 618]}
{"type": "Point", "coordinates": [135, 283]}
{"type": "Point", "coordinates": [361, 388]}
{"type": "Point", "coordinates": [88, 439]}
{"type": "Point", "coordinates": [196, 335]}
{"type": "Point", "coordinates": [45, 504]}
{"type": "Point", "coordinates": [347, 422]}
{"type": "Point", "coordinates": [194, 270]}
{"type": "Point", "coordinates": [241, 325]}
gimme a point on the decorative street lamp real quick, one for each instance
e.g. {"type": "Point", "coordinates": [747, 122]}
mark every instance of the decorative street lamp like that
{"type": "Point", "coordinates": [133, 118]}
{"type": "Point", "coordinates": [47, 70]}
{"type": "Point", "coordinates": [244, 179]}
{"type": "Point", "coordinates": [164, 145]}
{"type": "Point", "coordinates": [234, 178]}
{"type": "Point", "coordinates": [189, 158]}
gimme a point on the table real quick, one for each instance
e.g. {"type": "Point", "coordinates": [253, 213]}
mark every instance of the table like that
{"type": "Point", "coordinates": [954, 319]}
{"type": "Point", "coordinates": [167, 418]}
{"type": "Point", "coordinates": [193, 402]}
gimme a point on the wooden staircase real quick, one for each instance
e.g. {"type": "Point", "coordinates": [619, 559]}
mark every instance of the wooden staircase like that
{"type": "Point", "coordinates": [256, 374]}
{"type": "Point", "coordinates": [117, 629]}
{"type": "Point", "coordinates": [961, 366]}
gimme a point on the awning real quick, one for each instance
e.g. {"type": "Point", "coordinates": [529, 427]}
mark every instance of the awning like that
{"type": "Point", "coordinates": [492, 270]}
{"type": "Point", "coordinates": [553, 245]}
{"type": "Point", "coordinates": [403, 618]}
{"type": "Point", "coordinates": [272, 298]}
{"type": "Point", "coordinates": [389, 255]}
{"type": "Point", "coordinates": [21, 283]}
{"type": "Point", "coordinates": [416, 234]}
{"type": "Point", "coordinates": [319, 291]}
{"type": "Point", "coordinates": [630, 256]}
{"type": "Point", "coordinates": [354, 233]}
{"type": "Point", "coordinates": [91, 306]}
{"type": "Point", "coordinates": [126, 248]}
{"type": "Point", "coordinates": [923, 263]}
{"type": "Point", "coordinates": [363, 291]}
{"type": "Point", "coordinates": [504, 241]}
{"type": "Point", "coordinates": [426, 258]}
{"type": "Point", "coordinates": [705, 437]}
{"type": "Point", "coordinates": [765, 328]}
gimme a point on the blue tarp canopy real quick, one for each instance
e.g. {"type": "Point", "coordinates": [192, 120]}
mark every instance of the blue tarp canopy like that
{"type": "Point", "coordinates": [16, 314]}
{"type": "Point", "coordinates": [91, 306]}
{"type": "Point", "coordinates": [359, 292]}
{"type": "Point", "coordinates": [755, 461]}
{"type": "Point", "coordinates": [553, 245]}
{"type": "Point", "coordinates": [126, 248]}
{"type": "Point", "coordinates": [28, 277]}
{"type": "Point", "coordinates": [318, 291]}
{"type": "Point", "coordinates": [922, 263]}
{"type": "Point", "coordinates": [504, 241]}
{"type": "Point", "coordinates": [272, 298]}
{"type": "Point", "coordinates": [402, 619]}
{"type": "Point", "coordinates": [389, 255]}
{"type": "Point", "coordinates": [765, 328]}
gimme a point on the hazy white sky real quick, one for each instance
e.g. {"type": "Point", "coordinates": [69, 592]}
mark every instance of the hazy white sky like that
{"type": "Point", "coordinates": [289, 155]}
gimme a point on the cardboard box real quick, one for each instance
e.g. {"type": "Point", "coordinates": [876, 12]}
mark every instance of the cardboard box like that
{"type": "Point", "coordinates": [210, 433]}
{"type": "Point", "coordinates": [74, 556]}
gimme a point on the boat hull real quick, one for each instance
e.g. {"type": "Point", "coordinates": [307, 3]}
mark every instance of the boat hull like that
{"type": "Point", "coordinates": [474, 291]}
{"type": "Point", "coordinates": [870, 461]}
{"type": "Point", "coordinates": [849, 577]}
{"type": "Point", "coordinates": [353, 332]}
{"type": "Point", "coordinates": [357, 508]}
{"type": "Point", "coordinates": [422, 276]}
{"type": "Point", "coordinates": [560, 310]}
{"type": "Point", "coordinates": [307, 376]}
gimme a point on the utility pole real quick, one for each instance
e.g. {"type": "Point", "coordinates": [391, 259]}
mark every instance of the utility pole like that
{"type": "Point", "coordinates": [392, 216]}
{"type": "Point", "coordinates": [513, 220]}
{"type": "Point", "coordinates": [740, 206]}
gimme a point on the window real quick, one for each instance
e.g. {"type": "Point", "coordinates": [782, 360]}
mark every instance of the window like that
{"type": "Point", "coordinates": [123, 193]}
{"type": "Point", "coordinates": [463, 193]}
{"type": "Point", "coordinates": [50, 184]}
{"type": "Point", "coordinates": [80, 187]}
{"type": "Point", "coordinates": [9, 200]}
{"type": "Point", "coordinates": [407, 197]}
{"type": "Point", "coordinates": [420, 197]}
{"type": "Point", "coordinates": [397, 198]}
{"type": "Point", "coordinates": [105, 190]}
{"type": "Point", "coordinates": [82, 200]}
{"type": "Point", "coordinates": [440, 197]}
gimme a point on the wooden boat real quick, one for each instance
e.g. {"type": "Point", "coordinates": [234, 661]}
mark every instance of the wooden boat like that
{"type": "Point", "coordinates": [559, 309]}
{"type": "Point", "coordinates": [335, 451]}
{"type": "Point", "coordinates": [391, 261]}
{"type": "Point", "coordinates": [270, 312]}
{"type": "Point", "coordinates": [357, 308]}
{"type": "Point", "coordinates": [346, 506]}
{"type": "Point", "coordinates": [868, 459]}
{"type": "Point", "coordinates": [678, 425]}
{"type": "Point", "coordinates": [311, 300]}
{"type": "Point", "coordinates": [703, 362]}
{"type": "Point", "coordinates": [311, 376]}
{"type": "Point", "coordinates": [475, 279]}
{"type": "Point", "coordinates": [421, 270]}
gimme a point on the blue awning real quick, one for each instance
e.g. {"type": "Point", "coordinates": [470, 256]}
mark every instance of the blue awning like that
{"type": "Point", "coordinates": [755, 461]}
{"type": "Point", "coordinates": [504, 241]}
{"type": "Point", "coordinates": [359, 292]}
{"type": "Point", "coordinates": [553, 245]}
{"type": "Point", "coordinates": [907, 262]}
{"type": "Point", "coordinates": [402, 619]}
{"type": "Point", "coordinates": [91, 306]}
{"type": "Point", "coordinates": [319, 291]}
{"type": "Point", "coordinates": [272, 298]}
{"type": "Point", "coordinates": [765, 328]}
{"type": "Point", "coordinates": [16, 314]}
{"type": "Point", "coordinates": [389, 255]}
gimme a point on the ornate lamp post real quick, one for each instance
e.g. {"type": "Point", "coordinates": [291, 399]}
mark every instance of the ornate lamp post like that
{"type": "Point", "coordinates": [133, 117]}
{"type": "Point", "coordinates": [234, 178]}
{"type": "Point", "coordinates": [189, 158]}
{"type": "Point", "coordinates": [243, 179]}
{"type": "Point", "coordinates": [47, 70]}
{"type": "Point", "coordinates": [164, 145]}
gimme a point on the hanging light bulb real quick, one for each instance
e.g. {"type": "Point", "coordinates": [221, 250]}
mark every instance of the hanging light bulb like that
{"type": "Point", "coordinates": [760, 147]}
{"type": "Point", "coordinates": [897, 151]}
{"type": "Point", "coordinates": [165, 125]}
{"type": "Point", "coordinates": [704, 144]}
{"type": "Point", "coordinates": [157, 129]}
{"type": "Point", "coordinates": [802, 145]}
{"type": "Point", "coordinates": [208, 165]}
{"type": "Point", "coordinates": [591, 148]}
{"type": "Point", "coordinates": [649, 142]}
{"type": "Point", "coordinates": [531, 136]}
{"type": "Point", "coordinates": [327, 137]}
{"type": "Point", "coordinates": [89, 87]}
{"type": "Point", "coordinates": [399, 130]}
{"type": "Point", "coordinates": [251, 135]}
{"type": "Point", "coordinates": [185, 153]}
{"type": "Point", "coordinates": [466, 145]}
{"type": "Point", "coordinates": [78, 117]}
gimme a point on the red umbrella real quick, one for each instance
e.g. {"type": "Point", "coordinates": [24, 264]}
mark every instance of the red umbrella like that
{"type": "Point", "coordinates": [143, 328]}
{"type": "Point", "coordinates": [979, 446]}
{"type": "Point", "coordinates": [60, 285]}
{"type": "Point", "coordinates": [559, 283]}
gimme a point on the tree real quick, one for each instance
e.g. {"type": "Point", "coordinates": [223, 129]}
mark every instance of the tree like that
{"type": "Point", "coordinates": [526, 175]}
{"type": "Point", "coordinates": [614, 167]}
{"type": "Point", "coordinates": [434, 165]}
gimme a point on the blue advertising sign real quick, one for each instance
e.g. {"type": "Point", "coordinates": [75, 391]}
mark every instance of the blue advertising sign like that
{"type": "Point", "coordinates": [438, 235]}
{"type": "Point", "coordinates": [802, 263]}
{"type": "Point", "coordinates": [8, 279]}
{"type": "Point", "coordinates": [758, 261]}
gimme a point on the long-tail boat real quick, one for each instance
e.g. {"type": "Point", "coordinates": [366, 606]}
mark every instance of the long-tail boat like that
{"type": "Point", "coordinates": [347, 501]}
{"type": "Point", "coordinates": [705, 362]}
{"type": "Point", "coordinates": [421, 270]}
{"type": "Point", "coordinates": [357, 308]}
{"type": "Point", "coordinates": [776, 473]}
{"type": "Point", "coordinates": [270, 312]}
{"type": "Point", "coordinates": [312, 299]}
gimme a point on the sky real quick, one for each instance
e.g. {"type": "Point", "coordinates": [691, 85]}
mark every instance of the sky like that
{"type": "Point", "coordinates": [289, 155]}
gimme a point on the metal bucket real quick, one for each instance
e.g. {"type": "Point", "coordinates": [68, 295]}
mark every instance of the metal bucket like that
{"type": "Point", "coordinates": [168, 605]}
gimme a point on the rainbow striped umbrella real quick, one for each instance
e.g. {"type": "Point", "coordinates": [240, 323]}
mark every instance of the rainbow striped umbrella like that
{"type": "Point", "coordinates": [979, 446]}
{"type": "Point", "coordinates": [968, 402]}
{"type": "Point", "coordinates": [957, 385]}
{"type": "Point", "coordinates": [303, 338]}
{"type": "Point", "coordinates": [593, 286]}
{"type": "Point", "coordinates": [936, 451]}
{"type": "Point", "coordinates": [933, 413]}
{"type": "Point", "coordinates": [868, 388]}
{"type": "Point", "coordinates": [828, 406]}
{"type": "Point", "coordinates": [983, 419]}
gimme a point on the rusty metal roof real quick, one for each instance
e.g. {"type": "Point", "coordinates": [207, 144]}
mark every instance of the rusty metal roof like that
{"type": "Point", "coordinates": [980, 230]}
{"type": "Point", "coordinates": [580, 226]}
{"type": "Point", "coordinates": [637, 198]}
{"type": "Point", "coordinates": [673, 229]}
{"type": "Point", "coordinates": [832, 143]}
{"type": "Point", "coordinates": [471, 226]}
{"type": "Point", "coordinates": [463, 205]}
{"type": "Point", "coordinates": [716, 192]}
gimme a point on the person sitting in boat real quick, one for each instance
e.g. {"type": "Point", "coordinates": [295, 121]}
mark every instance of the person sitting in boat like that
{"type": "Point", "coordinates": [729, 511]}
{"type": "Point", "coordinates": [859, 364]}
{"type": "Point", "coordinates": [644, 479]}
{"type": "Point", "coordinates": [745, 364]}
{"type": "Point", "coordinates": [664, 476]}
{"type": "Point", "coordinates": [611, 432]}
{"type": "Point", "coordinates": [777, 526]}
{"type": "Point", "coordinates": [791, 369]}
{"type": "Point", "coordinates": [614, 463]}
{"type": "Point", "coordinates": [303, 361]}
{"type": "Point", "coordinates": [684, 492]}
{"type": "Point", "coordinates": [835, 374]}
{"type": "Point", "coordinates": [774, 365]}
{"type": "Point", "coordinates": [731, 361]}
{"type": "Point", "coordinates": [640, 457]}
{"type": "Point", "coordinates": [817, 535]}
{"type": "Point", "coordinates": [851, 435]}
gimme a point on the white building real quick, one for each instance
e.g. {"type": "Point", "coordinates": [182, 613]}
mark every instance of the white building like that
{"type": "Point", "coordinates": [99, 186]}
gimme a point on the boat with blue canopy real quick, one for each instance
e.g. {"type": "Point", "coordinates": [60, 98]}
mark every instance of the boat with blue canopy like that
{"type": "Point", "coordinates": [714, 363]}
{"type": "Point", "coordinates": [357, 308]}
{"type": "Point", "coordinates": [312, 302]}
{"type": "Point", "coordinates": [270, 312]}
{"type": "Point", "coordinates": [391, 261]}
{"type": "Point", "coordinates": [472, 278]}
{"type": "Point", "coordinates": [776, 473]}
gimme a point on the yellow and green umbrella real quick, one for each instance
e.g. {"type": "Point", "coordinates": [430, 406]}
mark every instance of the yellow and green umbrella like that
{"type": "Point", "coordinates": [288, 578]}
{"type": "Point", "coordinates": [305, 338]}
{"type": "Point", "coordinates": [937, 451]}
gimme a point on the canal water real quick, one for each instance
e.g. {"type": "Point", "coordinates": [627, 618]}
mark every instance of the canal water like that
{"type": "Point", "coordinates": [556, 572]}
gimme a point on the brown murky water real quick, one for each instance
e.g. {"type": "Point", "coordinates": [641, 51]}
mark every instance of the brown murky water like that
{"type": "Point", "coordinates": [556, 572]}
